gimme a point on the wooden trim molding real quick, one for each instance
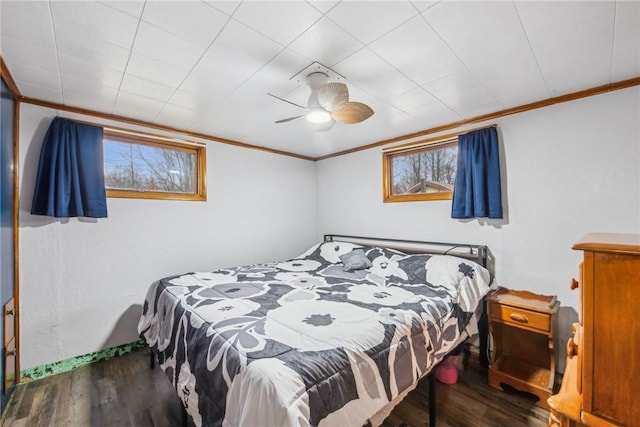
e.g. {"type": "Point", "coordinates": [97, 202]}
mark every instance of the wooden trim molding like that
{"type": "Point", "coordinates": [16, 230]}
{"type": "Point", "coordinates": [8, 79]}
{"type": "Point", "coordinates": [150, 125]}
{"type": "Point", "coordinates": [5, 75]}
{"type": "Point", "coordinates": [492, 116]}
{"type": "Point", "coordinates": [610, 87]}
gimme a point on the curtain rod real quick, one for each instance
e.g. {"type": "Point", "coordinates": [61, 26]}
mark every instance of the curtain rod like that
{"type": "Point", "coordinates": [434, 140]}
{"type": "Point", "coordinates": [142, 134]}
{"type": "Point", "coordinates": [152, 136]}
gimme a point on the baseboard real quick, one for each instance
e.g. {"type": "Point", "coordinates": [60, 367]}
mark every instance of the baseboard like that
{"type": "Point", "coordinates": [50, 369]}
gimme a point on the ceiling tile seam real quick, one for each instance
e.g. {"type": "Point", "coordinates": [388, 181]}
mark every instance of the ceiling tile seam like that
{"type": "Point", "coordinates": [533, 53]}
{"type": "Point", "coordinates": [360, 87]}
{"type": "Point", "coordinates": [238, 87]}
{"type": "Point", "coordinates": [204, 52]}
{"type": "Point", "coordinates": [35, 68]}
{"type": "Point", "coordinates": [389, 103]}
{"type": "Point", "coordinates": [463, 63]}
{"type": "Point", "coordinates": [55, 45]}
{"type": "Point", "coordinates": [414, 6]}
{"type": "Point", "coordinates": [150, 98]}
{"type": "Point", "coordinates": [625, 84]}
{"type": "Point", "coordinates": [142, 77]}
{"type": "Point", "coordinates": [598, 90]}
{"type": "Point", "coordinates": [107, 3]}
{"type": "Point", "coordinates": [441, 102]}
{"type": "Point", "coordinates": [435, 3]}
{"type": "Point", "coordinates": [613, 39]}
{"type": "Point", "coordinates": [284, 48]}
{"type": "Point", "coordinates": [406, 76]}
{"type": "Point", "coordinates": [417, 85]}
{"type": "Point", "coordinates": [287, 46]}
{"type": "Point", "coordinates": [164, 29]}
{"type": "Point", "coordinates": [276, 41]}
{"type": "Point", "coordinates": [27, 43]}
{"type": "Point", "coordinates": [380, 36]}
{"type": "Point", "coordinates": [335, 64]}
{"type": "Point", "coordinates": [366, 45]}
{"type": "Point", "coordinates": [400, 72]}
{"type": "Point", "coordinates": [22, 84]}
{"type": "Point", "coordinates": [100, 66]}
{"type": "Point", "coordinates": [124, 73]}
{"type": "Point", "coordinates": [181, 38]}
{"type": "Point", "coordinates": [323, 13]}
{"type": "Point", "coordinates": [222, 11]}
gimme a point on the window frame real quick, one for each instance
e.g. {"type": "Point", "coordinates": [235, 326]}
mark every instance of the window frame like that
{"type": "Point", "coordinates": [200, 193]}
{"type": "Point", "coordinates": [387, 169]}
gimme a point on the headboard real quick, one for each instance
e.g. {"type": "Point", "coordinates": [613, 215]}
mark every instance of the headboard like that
{"type": "Point", "coordinates": [477, 253]}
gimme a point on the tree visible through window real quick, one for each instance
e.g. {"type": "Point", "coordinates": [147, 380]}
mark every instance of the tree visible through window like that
{"type": "Point", "coordinates": [422, 173]}
{"type": "Point", "coordinates": [136, 167]}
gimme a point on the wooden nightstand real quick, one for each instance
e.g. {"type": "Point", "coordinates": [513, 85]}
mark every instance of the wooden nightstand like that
{"type": "Point", "coordinates": [522, 325]}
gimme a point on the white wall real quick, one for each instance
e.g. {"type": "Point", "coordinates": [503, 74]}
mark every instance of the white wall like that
{"type": "Point", "coordinates": [82, 282]}
{"type": "Point", "coordinates": [571, 168]}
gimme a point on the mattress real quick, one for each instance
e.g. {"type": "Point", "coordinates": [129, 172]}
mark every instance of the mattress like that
{"type": "Point", "coordinates": [304, 342]}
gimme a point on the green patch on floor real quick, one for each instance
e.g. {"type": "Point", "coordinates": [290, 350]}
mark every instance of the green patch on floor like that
{"type": "Point", "coordinates": [49, 369]}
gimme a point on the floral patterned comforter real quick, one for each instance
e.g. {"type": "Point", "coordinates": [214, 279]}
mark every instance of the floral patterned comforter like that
{"type": "Point", "coordinates": [303, 342]}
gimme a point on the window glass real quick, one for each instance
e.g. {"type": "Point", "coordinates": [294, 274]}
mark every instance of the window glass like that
{"type": "Point", "coordinates": [136, 167]}
{"type": "Point", "coordinates": [421, 173]}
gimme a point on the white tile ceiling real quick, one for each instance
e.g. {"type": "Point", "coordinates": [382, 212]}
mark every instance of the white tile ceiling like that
{"type": "Point", "coordinates": [207, 66]}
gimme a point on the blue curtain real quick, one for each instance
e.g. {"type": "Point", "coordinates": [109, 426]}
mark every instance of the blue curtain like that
{"type": "Point", "coordinates": [476, 193]}
{"type": "Point", "coordinates": [70, 180]}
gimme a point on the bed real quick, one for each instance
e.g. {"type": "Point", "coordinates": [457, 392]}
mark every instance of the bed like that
{"type": "Point", "coordinates": [335, 336]}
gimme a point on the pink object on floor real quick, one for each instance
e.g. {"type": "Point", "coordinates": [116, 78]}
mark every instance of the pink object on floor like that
{"type": "Point", "coordinates": [450, 369]}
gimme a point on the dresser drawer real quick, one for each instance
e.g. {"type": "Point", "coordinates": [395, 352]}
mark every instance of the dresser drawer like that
{"type": "Point", "coordinates": [520, 317]}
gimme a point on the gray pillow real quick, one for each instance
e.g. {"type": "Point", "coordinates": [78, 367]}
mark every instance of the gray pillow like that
{"type": "Point", "coordinates": [355, 260]}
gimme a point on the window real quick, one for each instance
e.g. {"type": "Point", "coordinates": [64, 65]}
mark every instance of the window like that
{"type": "Point", "coordinates": [420, 172]}
{"type": "Point", "coordinates": [150, 167]}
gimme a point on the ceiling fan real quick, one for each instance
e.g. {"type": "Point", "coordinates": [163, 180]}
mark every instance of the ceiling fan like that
{"type": "Point", "coordinates": [328, 103]}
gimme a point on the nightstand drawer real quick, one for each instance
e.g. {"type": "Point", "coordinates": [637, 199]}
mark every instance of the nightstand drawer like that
{"type": "Point", "coordinates": [519, 317]}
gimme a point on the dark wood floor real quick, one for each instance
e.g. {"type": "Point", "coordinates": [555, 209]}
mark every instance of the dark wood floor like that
{"type": "Point", "coordinates": [123, 391]}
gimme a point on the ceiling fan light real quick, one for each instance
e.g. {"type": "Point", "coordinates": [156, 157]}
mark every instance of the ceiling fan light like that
{"type": "Point", "coordinates": [318, 115]}
{"type": "Point", "coordinates": [322, 127]}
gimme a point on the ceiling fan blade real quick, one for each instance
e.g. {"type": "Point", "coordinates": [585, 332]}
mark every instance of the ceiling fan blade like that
{"type": "Point", "coordinates": [290, 119]}
{"type": "Point", "coordinates": [333, 96]}
{"type": "Point", "coordinates": [352, 112]}
{"type": "Point", "coordinates": [288, 102]}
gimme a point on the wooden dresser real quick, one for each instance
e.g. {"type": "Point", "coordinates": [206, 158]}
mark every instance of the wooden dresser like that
{"type": "Point", "coordinates": [601, 383]}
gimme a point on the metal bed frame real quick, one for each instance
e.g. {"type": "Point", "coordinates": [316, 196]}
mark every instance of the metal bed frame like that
{"type": "Point", "coordinates": [476, 253]}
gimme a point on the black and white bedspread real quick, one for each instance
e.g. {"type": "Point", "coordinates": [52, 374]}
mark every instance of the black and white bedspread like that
{"type": "Point", "coordinates": [304, 342]}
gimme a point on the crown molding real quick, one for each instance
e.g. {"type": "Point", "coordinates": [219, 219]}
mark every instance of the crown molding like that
{"type": "Point", "coordinates": [610, 87]}
{"type": "Point", "coordinates": [624, 84]}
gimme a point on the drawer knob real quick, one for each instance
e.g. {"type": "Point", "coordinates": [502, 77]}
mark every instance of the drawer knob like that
{"type": "Point", "coordinates": [519, 318]}
{"type": "Point", "coordinates": [574, 284]}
